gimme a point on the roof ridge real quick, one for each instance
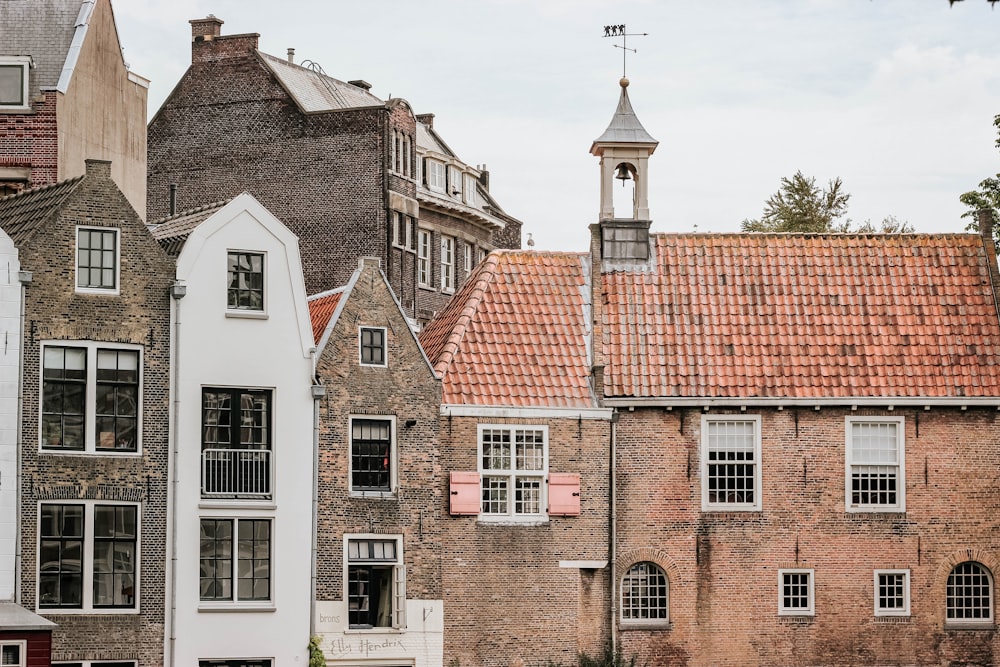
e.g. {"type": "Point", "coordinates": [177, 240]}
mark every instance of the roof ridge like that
{"type": "Point", "coordinates": [329, 292]}
{"type": "Point", "coordinates": [478, 286]}
{"type": "Point", "coordinates": [190, 211]}
{"type": "Point", "coordinates": [48, 186]}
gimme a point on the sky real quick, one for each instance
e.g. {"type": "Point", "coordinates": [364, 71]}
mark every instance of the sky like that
{"type": "Point", "coordinates": [894, 97]}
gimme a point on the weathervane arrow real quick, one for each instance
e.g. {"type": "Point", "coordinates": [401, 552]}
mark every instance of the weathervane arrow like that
{"type": "Point", "coordinates": [619, 31]}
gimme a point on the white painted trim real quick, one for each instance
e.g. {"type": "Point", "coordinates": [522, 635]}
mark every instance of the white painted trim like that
{"type": "Point", "coordinates": [811, 610]}
{"type": "Point", "coordinates": [79, 35]}
{"type": "Point", "coordinates": [584, 564]}
{"type": "Point", "coordinates": [900, 505]}
{"type": "Point", "coordinates": [102, 291]}
{"type": "Point", "coordinates": [905, 611]}
{"type": "Point", "coordinates": [866, 401]}
{"type": "Point", "coordinates": [503, 412]}
{"type": "Point", "coordinates": [757, 504]}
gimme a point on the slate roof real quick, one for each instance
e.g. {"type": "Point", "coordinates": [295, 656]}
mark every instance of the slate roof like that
{"type": "Point", "coordinates": [787, 315]}
{"type": "Point", "coordinates": [314, 91]}
{"type": "Point", "coordinates": [172, 232]}
{"type": "Point", "coordinates": [517, 334]}
{"type": "Point", "coordinates": [24, 213]}
{"type": "Point", "coordinates": [44, 30]}
{"type": "Point", "coordinates": [625, 126]}
{"type": "Point", "coordinates": [321, 309]}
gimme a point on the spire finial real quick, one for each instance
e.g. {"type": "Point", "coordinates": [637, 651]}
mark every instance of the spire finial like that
{"type": "Point", "coordinates": [619, 31]}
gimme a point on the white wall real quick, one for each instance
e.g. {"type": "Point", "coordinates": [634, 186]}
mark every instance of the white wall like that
{"type": "Point", "coordinates": [272, 352]}
{"type": "Point", "coordinates": [10, 340]}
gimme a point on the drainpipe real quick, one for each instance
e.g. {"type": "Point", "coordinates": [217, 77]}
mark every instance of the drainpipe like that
{"type": "Point", "coordinates": [177, 292]}
{"type": "Point", "coordinates": [318, 392]}
{"type": "Point", "coordinates": [23, 277]}
{"type": "Point", "coordinates": [614, 530]}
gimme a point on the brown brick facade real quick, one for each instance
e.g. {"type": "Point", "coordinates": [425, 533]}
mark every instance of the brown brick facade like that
{"type": "Point", "coordinates": [30, 141]}
{"type": "Point", "coordinates": [139, 315]}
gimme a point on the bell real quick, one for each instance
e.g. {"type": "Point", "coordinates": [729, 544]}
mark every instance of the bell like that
{"type": "Point", "coordinates": [623, 174]}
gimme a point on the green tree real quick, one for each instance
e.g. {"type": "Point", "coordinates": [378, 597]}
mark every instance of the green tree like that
{"type": "Point", "coordinates": [890, 225]}
{"type": "Point", "coordinates": [986, 197]}
{"type": "Point", "coordinates": [802, 206]}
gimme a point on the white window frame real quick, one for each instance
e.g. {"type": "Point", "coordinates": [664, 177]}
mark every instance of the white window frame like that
{"type": "Point", "coordinates": [900, 465]}
{"type": "Point", "coordinates": [470, 190]}
{"type": "Point", "coordinates": [235, 602]}
{"type": "Point", "coordinates": [511, 474]}
{"type": "Point", "coordinates": [455, 182]}
{"type": "Point", "coordinates": [398, 581]}
{"type": "Point", "coordinates": [87, 567]}
{"type": "Point", "coordinates": [467, 251]}
{"type": "Point", "coordinates": [107, 291]}
{"type": "Point", "coordinates": [706, 505]}
{"type": "Point", "coordinates": [393, 458]}
{"type": "Point", "coordinates": [424, 257]}
{"type": "Point", "coordinates": [24, 63]}
{"type": "Point", "coordinates": [644, 622]}
{"type": "Point", "coordinates": [90, 397]}
{"type": "Point", "coordinates": [972, 622]}
{"type": "Point", "coordinates": [249, 313]}
{"type": "Point", "coordinates": [436, 175]}
{"type": "Point", "coordinates": [447, 263]}
{"type": "Point", "coordinates": [810, 609]}
{"type": "Point", "coordinates": [385, 347]}
{"type": "Point", "coordinates": [22, 646]}
{"type": "Point", "coordinates": [88, 663]}
{"type": "Point", "coordinates": [397, 223]}
{"type": "Point", "coordinates": [892, 611]}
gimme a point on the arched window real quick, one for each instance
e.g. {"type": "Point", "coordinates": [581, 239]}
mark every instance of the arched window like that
{"type": "Point", "coordinates": [644, 594]}
{"type": "Point", "coordinates": [969, 594]}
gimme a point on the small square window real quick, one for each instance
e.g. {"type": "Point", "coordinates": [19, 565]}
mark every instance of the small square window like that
{"type": "Point", "coordinates": [14, 82]}
{"type": "Point", "coordinates": [245, 281]}
{"type": "Point", "coordinates": [795, 593]}
{"type": "Point", "coordinates": [892, 592]}
{"type": "Point", "coordinates": [97, 260]}
{"type": "Point", "coordinates": [12, 653]}
{"type": "Point", "coordinates": [372, 341]}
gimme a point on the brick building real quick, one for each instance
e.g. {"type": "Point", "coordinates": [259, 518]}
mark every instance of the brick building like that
{"type": "Point", "coordinates": [93, 429]}
{"type": "Point", "coordinates": [379, 542]}
{"type": "Point", "coordinates": [66, 95]}
{"type": "Point", "coordinates": [344, 169]}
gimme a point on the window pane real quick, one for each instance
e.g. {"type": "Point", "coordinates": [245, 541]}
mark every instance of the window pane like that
{"type": "Point", "coordinates": [96, 258]}
{"type": "Point", "coordinates": [371, 452]}
{"type": "Point", "coordinates": [245, 281]}
{"type": "Point", "coordinates": [969, 593]}
{"type": "Point", "coordinates": [12, 85]}
{"type": "Point", "coordinates": [731, 469]}
{"type": "Point", "coordinates": [644, 593]}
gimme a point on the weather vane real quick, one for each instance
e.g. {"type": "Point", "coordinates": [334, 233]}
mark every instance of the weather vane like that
{"type": "Point", "coordinates": [619, 31]}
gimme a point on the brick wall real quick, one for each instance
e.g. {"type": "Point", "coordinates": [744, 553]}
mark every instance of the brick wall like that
{"type": "Point", "coordinates": [722, 566]}
{"type": "Point", "coordinates": [31, 140]}
{"type": "Point", "coordinates": [506, 597]}
{"type": "Point", "coordinates": [139, 315]}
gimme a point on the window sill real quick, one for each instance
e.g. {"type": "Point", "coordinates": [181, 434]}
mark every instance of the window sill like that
{"type": "Point", "coordinates": [89, 453]}
{"type": "Point", "coordinates": [626, 626]}
{"type": "Point", "coordinates": [487, 520]}
{"type": "Point", "coordinates": [235, 503]}
{"type": "Point", "coordinates": [367, 631]}
{"type": "Point", "coordinates": [247, 314]}
{"type": "Point", "coordinates": [373, 495]}
{"type": "Point", "coordinates": [427, 287]}
{"type": "Point", "coordinates": [98, 291]}
{"type": "Point", "coordinates": [730, 509]}
{"type": "Point", "coordinates": [46, 611]}
{"type": "Point", "coordinates": [236, 607]}
{"type": "Point", "coordinates": [987, 626]}
{"type": "Point", "coordinates": [16, 109]}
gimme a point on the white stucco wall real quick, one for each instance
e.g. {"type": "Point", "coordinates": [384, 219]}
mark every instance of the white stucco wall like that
{"type": "Point", "coordinates": [10, 340]}
{"type": "Point", "coordinates": [271, 352]}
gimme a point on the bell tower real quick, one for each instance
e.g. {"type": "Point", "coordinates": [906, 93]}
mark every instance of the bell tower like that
{"type": "Point", "coordinates": [624, 150]}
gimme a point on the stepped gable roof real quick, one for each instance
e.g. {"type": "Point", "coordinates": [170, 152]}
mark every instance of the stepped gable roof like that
{"type": "Point", "coordinates": [804, 316]}
{"type": "Point", "coordinates": [517, 334]}
{"type": "Point", "coordinates": [322, 306]}
{"type": "Point", "coordinates": [24, 213]}
{"type": "Point", "coordinates": [625, 127]}
{"type": "Point", "coordinates": [50, 31]}
{"type": "Point", "coordinates": [172, 232]}
{"type": "Point", "coordinates": [314, 91]}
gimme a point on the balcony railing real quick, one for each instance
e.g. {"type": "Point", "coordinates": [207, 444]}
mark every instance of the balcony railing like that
{"type": "Point", "coordinates": [236, 473]}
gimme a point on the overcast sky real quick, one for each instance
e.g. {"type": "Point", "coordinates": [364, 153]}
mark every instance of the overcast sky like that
{"type": "Point", "coordinates": [896, 97]}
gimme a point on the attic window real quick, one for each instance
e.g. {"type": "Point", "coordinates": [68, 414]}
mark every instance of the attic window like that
{"type": "Point", "coordinates": [14, 83]}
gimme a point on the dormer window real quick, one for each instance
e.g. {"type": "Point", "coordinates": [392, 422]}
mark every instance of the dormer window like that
{"type": "Point", "coordinates": [97, 260]}
{"type": "Point", "coordinates": [435, 176]}
{"type": "Point", "coordinates": [245, 281]}
{"type": "Point", "coordinates": [14, 82]}
{"type": "Point", "coordinates": [454, 182]}
{"type": "Point", "coordinates": [470, 190]}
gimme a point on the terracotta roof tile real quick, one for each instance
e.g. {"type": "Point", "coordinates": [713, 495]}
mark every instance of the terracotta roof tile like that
{"type": "Point", "coordinates": [24, 213]}
{"type": "Point", "coordinates": [517, 334]}
{"type": "Point", "coordinates": [321, 309]}
{"type": "Point", "coordinates": [775, 315]}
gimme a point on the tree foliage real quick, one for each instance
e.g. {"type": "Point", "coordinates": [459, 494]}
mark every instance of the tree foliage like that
{"type": "Point", "coordinates": [801, 206]}
{"type": "Point", "coordinates": [986, 197]}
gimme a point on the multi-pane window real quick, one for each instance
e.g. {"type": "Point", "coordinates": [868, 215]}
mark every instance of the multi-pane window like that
{"type": "Point", "coordinates": [644, 594]}
{"type": "Point", "coordinates": [470, 190]}
{"type": "Point", "coordinates": [401, 234]}
{"type": "Point", "coordinates": [13, 654]}
{"type": "Point", "coordinates": [235, 560]}
{"type": "Point", "coordinates": [468, 249]}
{"type": "Point", "coordinates": [435, 175]}
{"type": "Point", "coordinates": [424, 257]}
{"type": "Point", "coordinates": [795, 592]}
{"type": "Point", "coordinates": [512, 464]}
{"type": "Point", "coordinates": [372, 346]}
{"type": "Point", "coordinates": [376, 583]}
{"type": "Point", "coordinates": [969, 594]}
{"type": "Point", "coordinates": [238, 662]}
{"type": "Point", "coordinates": [892, 592]}
{"type": "Point", "coordinates": [236, 443]}
{"type": "Point", "coordinates": [730, 463]}
{"type": "Point", "coordinates": [14, 82]}
{"type": "Point", "coordinates": [90, 399]}
{"type": "Point", "coordinates": [245, 281]}
{"type": "Point", "coordinates": [454, 182]}
{"type": "Point", "coordinates": [875, 480]}
{"type": "Point", "coordinates": [87, 556]}
{"type": "Point", "coordinates": [447, 263]}
{"type": "Point", "coordinates": [97, 259]}
{"type": "Point", "coordinates": [371, 455]}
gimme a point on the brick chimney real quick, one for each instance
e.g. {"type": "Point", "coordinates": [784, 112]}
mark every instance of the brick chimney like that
{"type": "Point", "coordinates": [426, 118]}
{"type": "Point", "coordinates": [208, 44]}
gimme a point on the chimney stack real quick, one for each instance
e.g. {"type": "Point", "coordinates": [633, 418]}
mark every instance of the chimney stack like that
{"type": "Point", "coordinates": [206, 29]}
{"type": "Point", "coordinates": [985, 218]}
{"type": "Point", "coordinates": [426, 118]}
{"type": "Point", "coordinates": [291, 56]}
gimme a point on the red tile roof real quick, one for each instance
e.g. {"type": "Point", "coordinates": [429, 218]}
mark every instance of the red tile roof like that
{"type": "Point", "coordinates": [775, 315]}
{"type": "Point", "coordinates": [517, 334]}
{"type": "Point", "coordinates": [321, 309]}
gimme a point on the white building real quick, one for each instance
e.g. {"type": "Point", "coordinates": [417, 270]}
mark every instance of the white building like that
{"type": "Point", "coordinates": [242, 440]}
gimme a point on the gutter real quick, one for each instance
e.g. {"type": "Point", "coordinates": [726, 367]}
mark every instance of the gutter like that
{"type": "Point", "coordinates": [613, 529]}
{"type": "Point", "coordinates": [852, 401]}
{"type": "Point", "coordinates": [318, 392]}
{"type": "Point", "coordinates": [177, 292]}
